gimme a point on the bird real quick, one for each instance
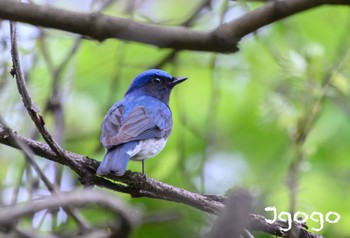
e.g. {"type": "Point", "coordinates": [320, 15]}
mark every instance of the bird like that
{"type": "Point", "coordinates": [137, 127]}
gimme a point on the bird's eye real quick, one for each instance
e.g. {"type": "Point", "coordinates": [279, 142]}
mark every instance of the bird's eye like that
{"type": "Point", "coordinates": [157, 81]}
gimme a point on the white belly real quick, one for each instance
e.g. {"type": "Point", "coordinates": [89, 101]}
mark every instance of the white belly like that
{"type": "Point", "coordinates": [147, 149]}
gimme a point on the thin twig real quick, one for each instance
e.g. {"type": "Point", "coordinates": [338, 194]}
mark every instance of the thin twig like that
{"type": "Point", "coordinates": [310, 116]}
{"type": "Point", "coordinates": [186, 23]}
{"type": "Point", "coordinates": [32, 109]}
{"type": "Point", "coordinates": [52, 189]}
{"type": "Point", "coordinates": [40, 125]}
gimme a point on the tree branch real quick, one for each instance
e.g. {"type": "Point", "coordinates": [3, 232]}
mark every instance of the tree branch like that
{"type": "Point", "coordinates": [102, 27]}
{"type": "Point", "coordinates": [137, 185]}
{"type": "Point", "coordinates": [84, 225]}
{"type": "Point", "coordinates": [32, 109]}
{"type": "Point", "coordinates": [271, 12]}
{"type": "Point", "coordinates": [129, 216]}
{"type": "Point", "coordinates": [98, 26]}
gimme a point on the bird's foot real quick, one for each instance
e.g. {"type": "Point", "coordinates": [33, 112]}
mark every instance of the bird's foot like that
{"type": "Point", "coordinates": [143, 176]}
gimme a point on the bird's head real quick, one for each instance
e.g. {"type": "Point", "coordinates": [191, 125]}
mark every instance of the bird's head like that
{"type": "Point", "coordinates": [154, 82]}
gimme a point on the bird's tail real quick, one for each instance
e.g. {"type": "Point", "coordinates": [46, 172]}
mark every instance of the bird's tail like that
{"type": "Point", "coordinates": [116, 160]}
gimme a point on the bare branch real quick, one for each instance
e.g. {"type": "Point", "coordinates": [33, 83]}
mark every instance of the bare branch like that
{"type": "Point", "coordinates": [51, 187]}
{"type": "Point", "coordinates": [137, 185]}
{"type": "Point", "coordinates": [271, 12]}
{"type": "Point", "coordinates": [98, 26]}
{"type": "Point", "coordinates": [101, 27]}
{"type": "Point", "coordinates": [32, 109]}
{"type": "Point", "coordinates": [10, 214]}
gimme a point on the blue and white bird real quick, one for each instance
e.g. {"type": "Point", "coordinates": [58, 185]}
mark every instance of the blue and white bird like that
{"type": "Point", "coordinates": [138, 126]}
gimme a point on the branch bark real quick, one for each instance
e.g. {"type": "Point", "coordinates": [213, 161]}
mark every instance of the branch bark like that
{"type": "Point", "coordinates": [98, 26]}
{"type": "Point", "coordinates": [132, 183]}
{"type": "Point", "coordinates": [32, 109]}
{"type": "Point", "coordinates": [127, 217]}
{"type": "Point", "coordinates": [76, 198]}
{"type": "Point", "coordinates": [138, 185]}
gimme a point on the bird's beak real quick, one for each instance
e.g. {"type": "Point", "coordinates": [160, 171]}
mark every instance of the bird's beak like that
{"type": "Point", "coordinates": [178, 80]}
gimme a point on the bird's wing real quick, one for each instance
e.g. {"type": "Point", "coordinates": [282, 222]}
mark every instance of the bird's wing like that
{"type": "Point", "coordinates": [138, 125]}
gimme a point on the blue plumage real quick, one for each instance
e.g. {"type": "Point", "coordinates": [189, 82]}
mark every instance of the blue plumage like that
{"type": "Point", "coordinates": [137, 127]}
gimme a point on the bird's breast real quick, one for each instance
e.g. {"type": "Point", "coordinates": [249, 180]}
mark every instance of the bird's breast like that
{"type": "Point", "coordinates": [146, 149]}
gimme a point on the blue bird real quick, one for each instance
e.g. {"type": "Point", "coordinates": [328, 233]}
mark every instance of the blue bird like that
{"type": "Point", "coordinates": [137, 127]}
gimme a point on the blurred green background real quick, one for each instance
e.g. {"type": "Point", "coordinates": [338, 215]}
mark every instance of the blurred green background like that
{"type": "Point", "coordinates": [241, 120]}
